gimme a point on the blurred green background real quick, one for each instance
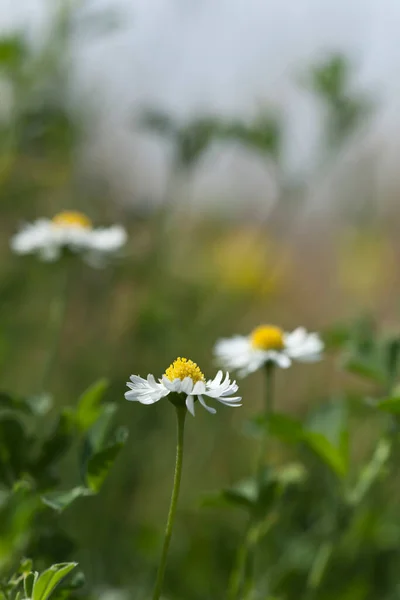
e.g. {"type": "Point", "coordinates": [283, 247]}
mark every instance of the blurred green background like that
{"type": "Point", "coordinates": [188, 278]}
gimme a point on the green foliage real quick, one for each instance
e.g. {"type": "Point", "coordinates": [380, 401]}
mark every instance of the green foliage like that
{"type": "Point", "coordinates": [47, 581]}
{"type": "Point", "coordinates": [32, 585]}
{"type": "Point", "coordinates": [330, 80]}
{"type": "Point", "coordinates": [30, 469]}
{"type": "Point", "coordinates": [101, 461]}
{"type": "Point", "coordinates": [325, 434]}
{"type": "Point", "coordinates": [193, 139]}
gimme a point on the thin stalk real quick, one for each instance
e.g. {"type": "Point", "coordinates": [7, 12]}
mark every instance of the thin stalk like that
{"type": "Point", "coordinates": [58, 309]}
{"type": "Point", "coordinates": [245, 559]}
{"type": "Point", "coordinates": [268, 408]}
{"type": "Point", "coordinates": [180, 414]}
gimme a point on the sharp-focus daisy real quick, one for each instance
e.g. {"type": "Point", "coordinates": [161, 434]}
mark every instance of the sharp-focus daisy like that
{"type": "Point", "coordinates": [68, 230]}
{"type": "Point", "coordinates": [184, 377]}
{"type": "Point", "coordinates": [268, 343]}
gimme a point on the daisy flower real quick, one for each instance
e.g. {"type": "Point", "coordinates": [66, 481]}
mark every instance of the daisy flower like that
{"type": "Point", "coordinates": [69, 230]}
{"type": "Point", "coordinates": [268, 344]}
{"type": "Point", "coordinates": [183, 376]}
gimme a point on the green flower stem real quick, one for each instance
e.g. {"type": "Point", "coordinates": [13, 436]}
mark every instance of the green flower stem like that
{"type": "Point", "coordinates": [268, 409]}
{"type": "Point", "coordinates": [245, 560]}
{"type": "Point", "coordinates": [58, 309]}
{"type": "Point", "coordinates": [181, 415]}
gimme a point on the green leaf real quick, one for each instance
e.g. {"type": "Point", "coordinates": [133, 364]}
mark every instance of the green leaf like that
{"type": "Point", "coordinates": [95, 439]}
{"type": "Point", "coordinates": [25, 566]}
{"type": "Point", "coordinates": [98, 433]}
{"type": "Point", "coordinates": [101, 462]}
{"type": "Point", "coordinates": [59, 440]}
{"type": "Point", "coordinates": [331, 421]}
{"type": "Point", "coordinates": [49, 579]}
{"type": "Point", "coordinates": [291, 474]}
{"type": "Point", "coordinates": [284, 427]}
{"type": "Point", "coordinates": [319, 565]}
{"type": "Point", "coordinates": [336, 337]}
{"type": "Point", "coordinates": [14, 449]}
{"type": "Point", "coordinates": [160, 123]}
{"type": "Point", "coordinates": [329, 418]}
{"type": "Point", "coordinates": [292, 431]}
{"type": "Point", "coordinates": [390, 405]}
{"type": "Point", "coordinates": [18, 508]}
{"type": "Point", "coordinates": [12, 51]}
{"type": "Point", "coordinates": [392, 355]}
{"type": "Point", "coordinates": [327, 452]}
{"type": "Point", "coordinates": [371, 472]}
{"type": "Point", "coordinates": [40, 404]}
{"type": "Point", "coordinates": [364, 368]}
{"type": "Point", "coordinates": [242, 495]}
{"type": "Point", "coordinates": [89, 408]}
{"type": "Point", "coordinates": [326, 434]}
{"type": "Point", "coordinates": [29, 582]}
{"type": "Point", "coordinates": [279, 425]}
{"type": "Point", "coordinates": [194, 139]}
{"type": "Point", "coordinates": [59, 501]}
{"type": "Point", "coordinates": [9, 402]}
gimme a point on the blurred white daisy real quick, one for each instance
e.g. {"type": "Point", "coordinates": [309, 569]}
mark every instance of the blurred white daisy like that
{"type": "Point", "coordinates": [68, 230]}
{"type": "Point", "coordinates": [184, 377]}
{"type": "Point", "coordinates": [268, 344]}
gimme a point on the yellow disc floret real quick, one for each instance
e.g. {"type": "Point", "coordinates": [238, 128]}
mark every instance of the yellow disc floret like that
{"type": "Point", "coordinates": [267, 337]}
{"type": "Point", "coordinates": [181, 368]}
{"type": "Point", "coordinates": [71, 218]}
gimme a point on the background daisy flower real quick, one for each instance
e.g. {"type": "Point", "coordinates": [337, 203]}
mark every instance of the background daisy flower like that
{"type": "Point", "coordinates": [68, 230]}
{"type": "Point", "coordinates": [268, 343]}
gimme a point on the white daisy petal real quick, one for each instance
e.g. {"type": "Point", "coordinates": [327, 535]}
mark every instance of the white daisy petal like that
{"type": "Point", "coordinates": [187, 385]}
{"type": "Point", "coordinates": [233, 353]}
{"type": "Point", "coordinates": [221, 393]}
{"type": "Point", "coordinates": [137, 380]}
{"type": "Point", "coordinates": [281, 359]}
{"type": "Point", "coordinates": [255, 362]}
{"type": "Point", "coordinates": [151, 381]}
{"type": "Point", "coordinates": [309, 358]}
{"type": "Point", "coordinates": [230, 401]}
{"type": "Point", "coordinates": [208, 408]}
{"type": "Point", "coordinates": [145, 391]}
{"type": "Point", "coordinates": [198, 388]}
{"type": "Point", "coordinates": [144, 398]}
{"type": "Point", "coordinates": [190, 404]}
{"type": "Point", "coordinates": [217, 379]}
{"type": "Point", "coordinates": [108, 239]}
{"type": "Point", "coordinates": [296, 337]}
{"type": "Point", "coordinates": [303, 346]}
{"type": "Point", "coordinates": [172, 386]}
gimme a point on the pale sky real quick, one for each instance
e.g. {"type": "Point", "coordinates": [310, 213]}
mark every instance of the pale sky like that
{"type": "Point", "coordinates": [226, 57]}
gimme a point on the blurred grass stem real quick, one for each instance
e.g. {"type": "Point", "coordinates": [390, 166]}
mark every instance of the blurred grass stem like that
{"type": "Point", "coordinates": [58, 309]}
{"type": "Point", "coordinates": [246, 555]}
{"type": "Point", "coordinates": [181, 415]}
{"type": "Point", "coordinates": [268, 409]}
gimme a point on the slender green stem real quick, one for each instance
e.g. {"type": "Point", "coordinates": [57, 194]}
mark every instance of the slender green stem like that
{"type": "Point", "coordinates": [58, 309]}
{"type": "Point", "coordinates": [235, 581]}
{"type": "Point", "coordinates": [245, 559]}
{"type": "Point", "coordinates": [268, 408]}
{"type": "Point", "coordinates": [180, 414]}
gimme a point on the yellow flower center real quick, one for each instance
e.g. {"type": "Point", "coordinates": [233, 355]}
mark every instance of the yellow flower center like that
{"type": "Point", "coordinates": [181, 368]}
{"type": "Point", "coordinates": [71, 218]}
{"type": "Point", "coordinates": [267, 337]}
